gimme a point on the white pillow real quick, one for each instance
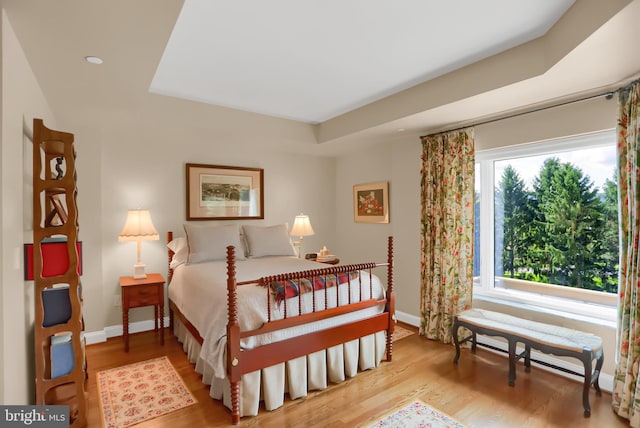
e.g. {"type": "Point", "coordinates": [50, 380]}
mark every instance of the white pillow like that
{"type": "Point", "coordinates": [243, 242]}
{"type": "Point", "coordinates": [208, 243]}
{"type": "Point", "coordinates": [180, 252]}
{"type": "Point", "coordinates": [268, 241]}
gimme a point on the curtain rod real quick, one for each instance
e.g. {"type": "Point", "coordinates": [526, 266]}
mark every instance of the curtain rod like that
{"type": "Point", "coordinates": [607, 94]}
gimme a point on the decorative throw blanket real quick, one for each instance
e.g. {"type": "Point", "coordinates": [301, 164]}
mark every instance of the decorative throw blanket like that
{"type": "Point", "coordinates": [294, 287]}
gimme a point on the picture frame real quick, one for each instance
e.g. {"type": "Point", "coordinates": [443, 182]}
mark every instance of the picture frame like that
{"type": "Point", "coordinates": [220, 192]}
{"type": "Point", "coordinates": [371, 202]}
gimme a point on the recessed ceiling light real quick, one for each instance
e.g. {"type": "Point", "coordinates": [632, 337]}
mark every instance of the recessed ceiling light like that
{"type": "Point", "coordinates": [93, 59]}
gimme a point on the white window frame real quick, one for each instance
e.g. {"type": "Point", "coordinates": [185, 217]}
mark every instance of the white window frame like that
{"type": "Point", "coordinates": [567, 300]}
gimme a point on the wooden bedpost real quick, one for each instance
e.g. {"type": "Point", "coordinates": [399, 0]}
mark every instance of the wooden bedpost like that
{"type": "Point", "coordinates": [233, 337]}
{"type": "Point", "coordinates": [170, 254]}
{"type": "Point", "coordinates": [391, 299]}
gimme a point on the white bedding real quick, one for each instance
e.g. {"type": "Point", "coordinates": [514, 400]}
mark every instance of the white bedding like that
{"type": "Point", "coordinates": [200, 292]}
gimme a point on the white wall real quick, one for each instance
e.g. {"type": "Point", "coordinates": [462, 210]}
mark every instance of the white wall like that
{"type": "Point", "coordinates": [22, 101]}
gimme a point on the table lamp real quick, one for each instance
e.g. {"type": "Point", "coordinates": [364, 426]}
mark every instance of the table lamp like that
{"type": "Point", "coordinates": [301, 227]}
{"type": "Point", "coordinates": [138, 228]}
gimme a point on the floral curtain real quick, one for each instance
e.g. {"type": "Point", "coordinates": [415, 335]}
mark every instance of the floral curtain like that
{"type": "Point", "coordinates": [626, 384]}
{"type": "Point", "coordinates": [447, 217]}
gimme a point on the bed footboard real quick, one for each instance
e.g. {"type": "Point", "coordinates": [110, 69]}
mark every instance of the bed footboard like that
{"type": "Point", "coordinates": [241, 362]}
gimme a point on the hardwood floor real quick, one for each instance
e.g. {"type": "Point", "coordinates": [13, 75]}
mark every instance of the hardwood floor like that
{"type": "Point", "coordinates": [475, 392]}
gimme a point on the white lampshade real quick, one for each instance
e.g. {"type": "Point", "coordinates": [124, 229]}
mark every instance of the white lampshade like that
{"type": "Point", "coordinates": [302, 226]}
{"type": "Point", "coordinates": [138, 227]}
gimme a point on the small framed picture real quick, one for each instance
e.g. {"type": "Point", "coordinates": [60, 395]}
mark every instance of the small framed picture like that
{"type": "Point", "coordinates": [371, 202]}
{"type": "Point", "coordinates": [217, 192]}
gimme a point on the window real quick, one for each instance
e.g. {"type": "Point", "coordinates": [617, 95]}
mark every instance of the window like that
{"type": "Point", "coordinates": [547, 224]}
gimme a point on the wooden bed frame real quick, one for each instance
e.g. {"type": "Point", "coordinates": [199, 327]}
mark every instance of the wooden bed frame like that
{"type": "Point", "coordinates": [242, 361]}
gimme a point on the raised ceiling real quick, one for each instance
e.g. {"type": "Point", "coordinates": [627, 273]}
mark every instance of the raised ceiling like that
{"type": "Point", "coordinates": [313, 61]}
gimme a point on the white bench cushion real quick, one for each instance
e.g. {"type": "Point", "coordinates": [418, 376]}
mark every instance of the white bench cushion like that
{"type": "Point", "coordinates": [551, 335]}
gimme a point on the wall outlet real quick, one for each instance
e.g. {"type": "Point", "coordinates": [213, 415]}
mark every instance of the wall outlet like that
{"type": "Point", "coordinates": [117, 300]}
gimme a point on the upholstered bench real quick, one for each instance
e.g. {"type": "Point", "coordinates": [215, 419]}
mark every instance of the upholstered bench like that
{"type": "Point", "coordinates": [546, 338]}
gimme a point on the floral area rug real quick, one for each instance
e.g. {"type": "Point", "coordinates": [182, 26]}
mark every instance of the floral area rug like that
{"type": "Point", "coordinates": [141, 391]}
{"type": "Point", "coordinates": [417, 414]}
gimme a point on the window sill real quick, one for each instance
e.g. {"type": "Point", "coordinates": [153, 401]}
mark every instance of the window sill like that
{"type": "Point", "coordinates": [584, 312]}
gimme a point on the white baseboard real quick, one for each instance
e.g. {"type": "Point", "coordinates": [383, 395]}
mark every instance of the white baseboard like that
{"type": "Point", "coordinates": [605, 380]}
{"type": "Point", "coordinates": [408, 319]}
{"type": "Point", "coordinates": [139, 326]}
{"type": "Point", "coordinates": [117, 330]}
{"type": "Point", "coordinates": [92, 337]}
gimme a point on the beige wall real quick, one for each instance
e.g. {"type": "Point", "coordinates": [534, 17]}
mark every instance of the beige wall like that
{"type": "Point", "coordinates": [3, 343]}
{"type": "Point", "coordinates": [582, 117]}
{"type": "Point", "coordinates": [144, 166]}
{"type": "Point", "coordinates": [22, 100]}
{"type": "Point", "coordinates": [399, 163]}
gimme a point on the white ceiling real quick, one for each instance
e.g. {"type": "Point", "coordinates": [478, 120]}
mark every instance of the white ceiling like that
{"type": "Point", "coordinates": [313, 61]}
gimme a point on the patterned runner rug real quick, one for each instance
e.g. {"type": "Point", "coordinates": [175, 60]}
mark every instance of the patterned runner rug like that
{"type": "Point", "coordinates": [416, 414]}
{"type": "Point", "coordinates": [141, 391]}
{"type": "Point", "coordinates": [401, 333]}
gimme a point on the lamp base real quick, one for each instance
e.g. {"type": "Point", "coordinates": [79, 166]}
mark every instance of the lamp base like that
{"type": "Point", "coordinates": [138, 271]}
{"type": "Point", "coordinates": [297, 245]}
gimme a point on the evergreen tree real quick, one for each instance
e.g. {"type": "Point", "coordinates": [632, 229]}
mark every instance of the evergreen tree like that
{"type": "Point", "coordinates": [514, 220]}
{"type": "Point", "coordinates": [573, 218]}
{"type": "Point", "coordinates": [610, 237]}
{"type": "Point", "coordinates": [498, 232]}
{"type": "Point", "coordinates": [541, 253]}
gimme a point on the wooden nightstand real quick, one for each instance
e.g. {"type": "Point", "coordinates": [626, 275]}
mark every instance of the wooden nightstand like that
{"type": "Point", "coordinates": [327, 262]}
{"type": "Point", "coordinates": [136, 293]}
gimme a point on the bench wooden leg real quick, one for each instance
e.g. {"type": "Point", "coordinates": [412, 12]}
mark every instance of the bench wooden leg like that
{"type": "Point", "coordinates": [590, 379]}
{"type": "Point", "coordinates": [596, 373]}
{"type": "Point", "coordinates": [472, 337]}
{"type": "Point", "coordinates": [527, 358]}
{"type": "Point", "coordinates": [586, 359]}
{"type": "Point", "coordinates": [512, 362]}
{"type": "Point", "coordinates": [455, 340]}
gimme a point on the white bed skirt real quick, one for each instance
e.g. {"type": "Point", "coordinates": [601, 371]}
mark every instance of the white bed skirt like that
{"type": "Point", "coordinates": [307, 373]}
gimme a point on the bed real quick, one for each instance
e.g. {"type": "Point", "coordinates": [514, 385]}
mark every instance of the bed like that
{"type": "Point", "coordinates": [258, 322]}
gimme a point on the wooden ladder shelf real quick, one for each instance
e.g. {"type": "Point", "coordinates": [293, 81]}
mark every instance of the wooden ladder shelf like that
{"type": "Point", "coordinates": [59, 342]}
